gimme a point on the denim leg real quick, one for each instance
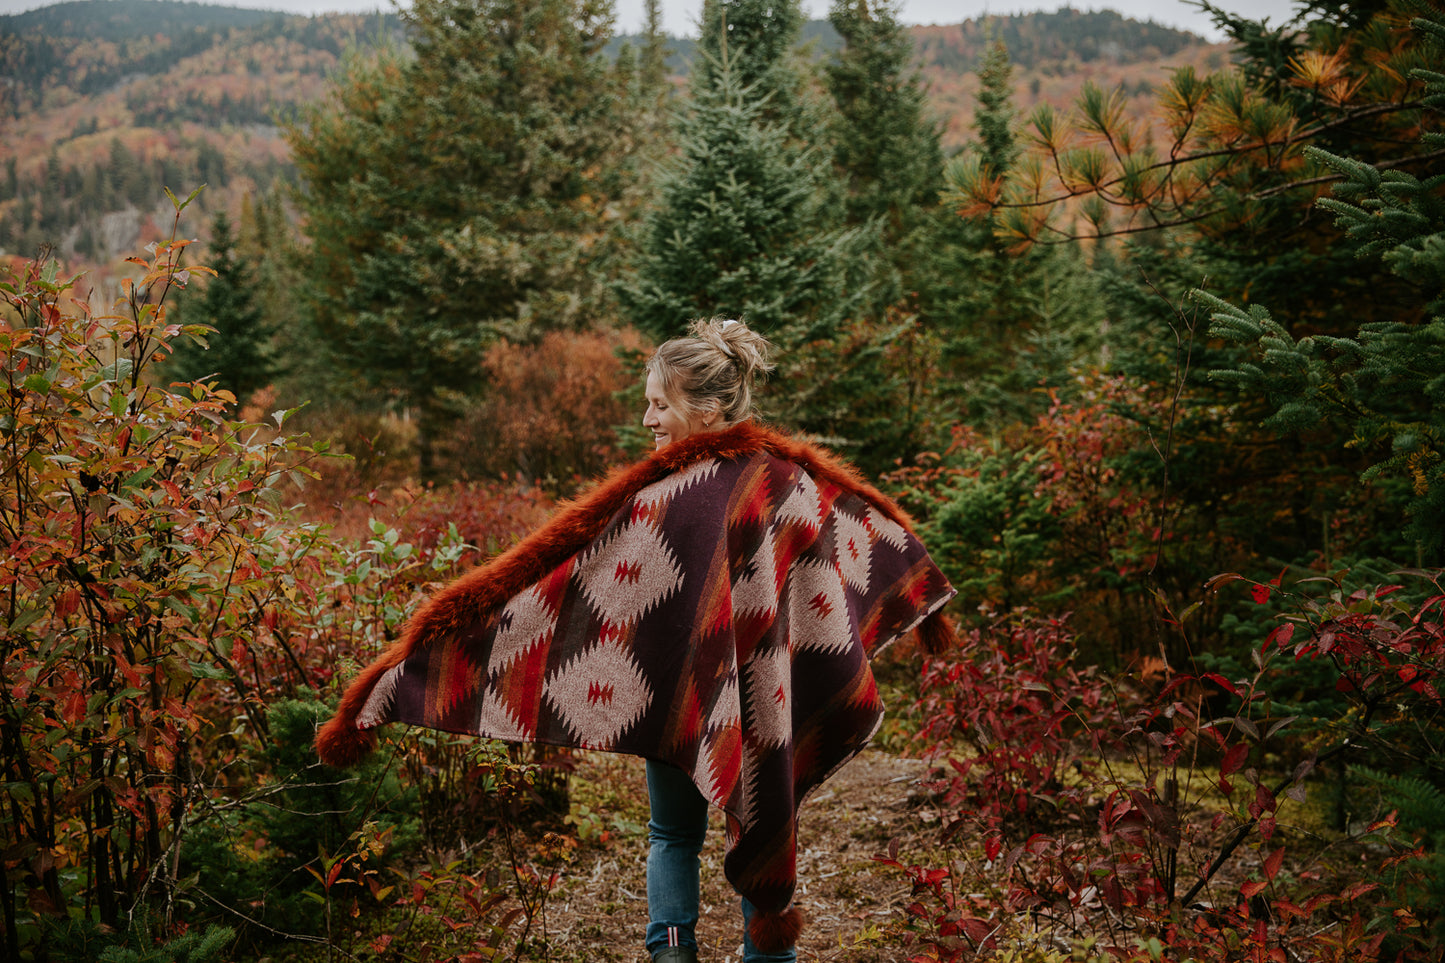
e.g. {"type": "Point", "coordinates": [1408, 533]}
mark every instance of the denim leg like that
{"type": "Point", "coordinates": [751, 954]}
{"type": "Point", "coordinates": [675, 833]}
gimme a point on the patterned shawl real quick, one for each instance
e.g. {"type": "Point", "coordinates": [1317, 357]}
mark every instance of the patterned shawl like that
{"type": "Point", "coordinates": [714, 606]}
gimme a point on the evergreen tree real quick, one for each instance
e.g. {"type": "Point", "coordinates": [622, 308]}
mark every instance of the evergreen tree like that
{"type": "Point", "coordinates": [452, 197]}
{"type": "Point", "coordinates": [997, 146]}
{"type": "Point", "coordinates": [751, 41]}
{"type": "Point", "coordinates": [237, 354]}
{"type": "Point", "coordinates": [740, 227]}
{"type": "Point", "coordinates": [885, 145]}
{"type": "Point", "coordinates": [653, 71]}
{"type": "Point", "coordinates": [266, 239]}
{"type": "Point", "coordinates": [1386, 379]}
{"type": "Point", "coordinates": [1007, 319]}
{"type": "Point", "coordinates": [884, 141]}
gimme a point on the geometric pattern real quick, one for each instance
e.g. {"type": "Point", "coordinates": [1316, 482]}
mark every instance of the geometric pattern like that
{"type": "Point", "coordinates": [599, 694]}
{"type": "Point", "coordinates": [629, 574]}
{"type": "Point", "coordinates": [818, 608]}
{"type": "Point", "coordinates": [852, 546]}
{"type": "Point", "coordinates": [719, 615]}
{"type": "Point", "coordinates": [528, 620]}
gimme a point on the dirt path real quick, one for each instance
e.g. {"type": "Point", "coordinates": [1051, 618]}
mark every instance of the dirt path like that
{"type": "Point", "coordinates": [599, 912]}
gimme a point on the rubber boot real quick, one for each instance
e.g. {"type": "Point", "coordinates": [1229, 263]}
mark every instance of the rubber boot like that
{"type": "Point", "coordinates": [675, 954]}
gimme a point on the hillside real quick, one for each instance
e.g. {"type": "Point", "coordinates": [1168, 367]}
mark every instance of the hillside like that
{"type": "Point", "coordinates": [108, 102]}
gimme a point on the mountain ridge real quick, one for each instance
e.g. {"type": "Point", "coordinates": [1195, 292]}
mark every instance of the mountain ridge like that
{"type": "Point", "coordinates": [107, 102]}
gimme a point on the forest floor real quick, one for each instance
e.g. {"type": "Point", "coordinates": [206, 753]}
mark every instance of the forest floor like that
{"type": "Point", "coordinates": [599, 909]}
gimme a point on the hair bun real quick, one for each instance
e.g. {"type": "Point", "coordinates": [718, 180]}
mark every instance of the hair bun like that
{"type": "Point", "coordinates": [748, 349]}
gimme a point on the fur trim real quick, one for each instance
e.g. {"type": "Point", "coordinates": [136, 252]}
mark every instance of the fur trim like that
{"type": "Point", "coordinates": [481, 590]}
{"type": "Point", "coordinates": [776, 932]}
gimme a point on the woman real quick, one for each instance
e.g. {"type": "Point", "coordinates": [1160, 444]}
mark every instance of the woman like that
{"type": "Point", "coordinates": [712, 608]}
{"type": "Point", "coordinates": [697, 384]}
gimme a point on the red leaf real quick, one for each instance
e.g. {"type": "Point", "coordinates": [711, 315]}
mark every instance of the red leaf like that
{"type": "Point", "coordinates": [1281, 636]}
{"type": "Point", "coordinates": [1252, 888]}
{"type": "Point", "coordinates": [1234, 758]}
{"type": "Point", "coordinates": [1222, 682]}
{"type": "Point", "coordinates": [1356, 890]}
{"type": "Point", "coordinates": [992, 847]}
{"type": "Point", "coordinates": [977, 930]}
{"type": "Point", "coordinates": [1272, 863]}
{"type": "Point", "coordinates": [1286, 908]}
{"type": "Point", "coordinates": [1260, 594]}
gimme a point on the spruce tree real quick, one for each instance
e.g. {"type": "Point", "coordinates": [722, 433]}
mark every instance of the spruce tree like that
{"type": "Point", "coordinates": [884, 141]}
{"type": "Point", "coordinates": [1008, 319]}
{"type": "Point", "coordinates": [453, 197]}
{"type": "Point", "coordinates": [751, 41]}
{"type": "Point", "coordinates": [886, 146]}
{"type": "Point", "coordinates": [741, 227]}
{"type": "Point", "coordinates": [237, 354]}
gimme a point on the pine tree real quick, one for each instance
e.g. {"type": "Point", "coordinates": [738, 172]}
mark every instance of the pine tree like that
{"type": "Point", "coordinates": [237, 354]}
{"type": "Point", "coordinates": [1387, 379]}
{"type": "Point", "coordinates": [452, 197]}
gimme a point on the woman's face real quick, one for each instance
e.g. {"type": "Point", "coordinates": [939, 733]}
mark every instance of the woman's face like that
{"type": "Point", "coordinates": [667, 422]}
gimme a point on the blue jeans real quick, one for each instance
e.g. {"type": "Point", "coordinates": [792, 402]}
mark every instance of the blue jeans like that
{"type": "Point", "coordinates": [676, 831]}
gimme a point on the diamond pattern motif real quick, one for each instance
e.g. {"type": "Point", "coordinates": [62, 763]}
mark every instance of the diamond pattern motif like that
{"type": "Point", "coordinates": [599, 695]}
{"type": "Point", "coordinates": [853, 548]}
{"type": "Point", "coordinates": [887, 529]}
{"type": "Point", "coordinates": [629, 573]}
{"type": "Point", "coordinates": [527, 620]}
{"type": "Point", "coordinates": [818, 609]}
{"type": "Point", "coordinates": [757, 590]}
{"type": "Point", "coordinates": [802, 506]}
{"type": "Point", "coordinates": [770, 711]}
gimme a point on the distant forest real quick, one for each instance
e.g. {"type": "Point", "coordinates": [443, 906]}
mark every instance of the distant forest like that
{"type": "Point", "coordinates": [141, 95]}
{"type": "Point", "coordinates": [147, 37]}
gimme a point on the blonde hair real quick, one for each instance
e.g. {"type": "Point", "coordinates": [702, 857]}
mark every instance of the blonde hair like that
{"type": "Point", "coordinates": [719, 363]}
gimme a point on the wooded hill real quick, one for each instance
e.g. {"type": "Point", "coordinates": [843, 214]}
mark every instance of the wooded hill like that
{"type": "Point", "coordinates": [109, 102]}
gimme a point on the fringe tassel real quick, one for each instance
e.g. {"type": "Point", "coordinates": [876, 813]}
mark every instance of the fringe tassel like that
{"type": "Point", "coordinates": [775, 932]}
{"type": "Point", "coordinates": [340, 743]}
{"type": "Point", "coordinates": [936, 633]}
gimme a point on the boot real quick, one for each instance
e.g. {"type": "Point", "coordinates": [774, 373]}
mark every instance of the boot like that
{"type": "Point", "coordinates": [675, 954]}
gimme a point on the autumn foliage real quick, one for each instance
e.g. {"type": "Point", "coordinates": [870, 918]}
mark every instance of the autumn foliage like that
{"type": "Point", "coordinates": [1153, 817]}
{"type": "Point", "coordinates": [168, 625]}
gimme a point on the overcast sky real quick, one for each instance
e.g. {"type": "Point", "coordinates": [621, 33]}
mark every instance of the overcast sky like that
{"type": "Point", "coordinates": [680, 16]}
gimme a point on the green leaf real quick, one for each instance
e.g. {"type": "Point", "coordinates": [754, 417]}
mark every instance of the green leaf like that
{"type": "Point", "coordinates": [24, 620]}
{"type": "Point", "coordinates": [136, 479]}
{"type": "Point", "coordinates": [204, 670]}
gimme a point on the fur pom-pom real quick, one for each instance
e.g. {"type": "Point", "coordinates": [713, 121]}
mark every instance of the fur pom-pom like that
{"type": "Point", "coordinates": [936, 634]}
{"type": "Point", "coordinates": [341, 744]}
{"type": "Point", "coordinates": [775, 932]}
